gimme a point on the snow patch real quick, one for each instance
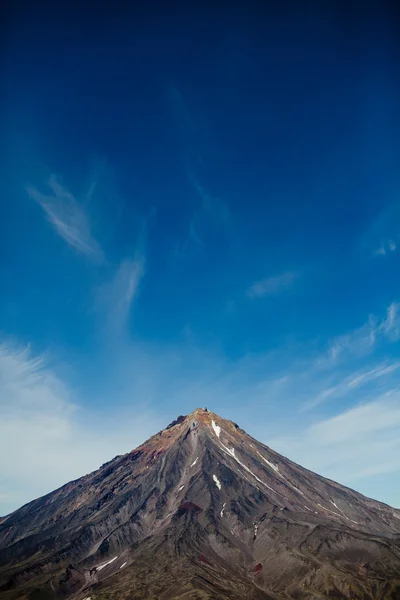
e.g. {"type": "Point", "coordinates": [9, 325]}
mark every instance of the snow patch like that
{"type": "Point", "coordinates": [255, 530]}
{"type": "Point", "coordinates": [342, 516]}
{"type": "Point", "coordinates": [329, 510]}
{"type": "Point", "coordinates": [336, 506]}
{"type": "Point", "coordinates": [122, 566]}
{"type": "Point", "coordinates": [276, 469]}
{"type": "Point", "coordinates": [100, 567]}
{"type": "Point", "coordinates": [216, 428]}
{"type": "Point", "coordinates": [181, 488]}
{"type": "Point", "coordinates": [217, 482]}
{"type": "Point", "coordinates": [295, 488]}
{"type": "Point", "coordinates": [270, 464]}
{"type": "Point", "coordinates": [222, 510]}
{"type": "Point", "coordinates": [307, 508]}
{"type": "Point", "coordinates": [193, 463]}
{"type": "Point", "coordinates": [231, 452]}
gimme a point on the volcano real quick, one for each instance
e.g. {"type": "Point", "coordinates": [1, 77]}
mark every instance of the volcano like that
{"type": "Point", "coordinates": [201, 511]}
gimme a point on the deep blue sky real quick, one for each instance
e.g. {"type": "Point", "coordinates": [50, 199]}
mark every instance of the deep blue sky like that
{"type": "Point", "coordinates": [200, 207]}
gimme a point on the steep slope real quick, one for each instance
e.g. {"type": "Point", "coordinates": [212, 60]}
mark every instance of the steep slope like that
{"type": "Point", "coordinates": [201, 510]}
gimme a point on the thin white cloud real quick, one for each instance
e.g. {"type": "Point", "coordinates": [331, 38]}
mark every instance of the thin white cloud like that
{"type": "Point", "coordinates": [117, 296]}
{"type": "Point", "coordinates": [46, 436]}
{"type": "Point", "coordinates": [349, 383]}
{"type": "Point", "coordinates": [51, 438]}
{"type": "Point", "coordinates": [386, 248]}
{"type": "Point", "coordinates": [361, 341]}
{"type": "Point", "coordinates": [390, 326]}
{"type": "Point", "coordinates": [351, 445]}
{"type": "Point", "coordinates": [379, 371]}
{"type": "Point", "coordinates": [68, 218]}
{"type": "Point", "coordinates": [272, 285]}
{"type": "Point", "coordinates": [359, 422]}
{"type": "Point", "coordinates": [357, 342]}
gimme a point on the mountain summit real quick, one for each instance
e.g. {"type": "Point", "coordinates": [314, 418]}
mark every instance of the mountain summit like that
{"type": "Point", "coordinates": [201, 511]}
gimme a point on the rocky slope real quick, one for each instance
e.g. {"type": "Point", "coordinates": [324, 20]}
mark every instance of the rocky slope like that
{"type": "Point", "coordinates": [201, 510]}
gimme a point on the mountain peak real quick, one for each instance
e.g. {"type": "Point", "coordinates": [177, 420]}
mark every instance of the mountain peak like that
{"type": "Point", "coordinates": [226, 516]}
{"type": "Point", "coordinates": [201, 417]}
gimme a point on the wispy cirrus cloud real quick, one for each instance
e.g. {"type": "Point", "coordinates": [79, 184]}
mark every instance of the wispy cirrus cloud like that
{"type": "Point", "coordinates": [272, 285]}
{"type": "Point", "coordinates": [361, 341]}
{"type": "Point", "coordinates": [52, 438]}
{"type": "Point", "coordinates": [386, 247]}
{"type": "Point", "coordinates": [69, 218]}
{"type": "Point", "coordinates": [47, 435]}
{"type": "Point", "coordinates": [353, 445]}
{"type": "Point", "coordinates": [348, 383]}
{"type": "Point", "coordinates": [118, 294]}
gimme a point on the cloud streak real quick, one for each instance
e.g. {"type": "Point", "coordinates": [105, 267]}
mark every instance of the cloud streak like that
{"type": "Point", "coordinates": [51, 438]}
{"type": "Point", "coordinates": [351, 382]}
{"type": "Point", "coordinates": [46, 435]}
{"type": "Point", "coordinates": [272, 285]}
{"type": "Point", "coordinates": [362, 340]}
{"type": "Point", "coordinates": [386, 248]}
{"type": "Point", "coordinates": [351, 445]}
{"type": "Point", "coordinates": [68, 218]}
{"type": "Point", "coordinates": [117, 295]}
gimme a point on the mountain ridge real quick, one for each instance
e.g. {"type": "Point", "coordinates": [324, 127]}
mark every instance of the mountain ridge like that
{"type": "Point", "coordinates": [223, 511]}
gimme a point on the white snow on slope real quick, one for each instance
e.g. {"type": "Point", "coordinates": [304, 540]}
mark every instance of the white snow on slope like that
{"type": "Point", "coordinates": [100, 567]}
{"type": "Point", "coordinates": [217, 482]}
{"type": "Point", "coordinates": [336, 506]}
{"type": "Point", "coordinates": [122, 566]}
{"type": "Point", "coordinates": [329, 510]}
{"type": "Point", "coordinates": [231, 452]}
{"type": "Point", "coordinates": [337, 514]}
{"type": "Point", "coordinates": [255, 530]}
{"type": "Point", "coordinates": [216, 428]}
{"type": "Point", "coordinates": [181, 488]}
{"type": "Point", "coordinates": [276, 469]}
{"type": "Point", "coordinates": [193, 463]}
{"type": "Point", "coordinates": [270, 464]}
{"type": "Point", "coordinates": [223, 508]}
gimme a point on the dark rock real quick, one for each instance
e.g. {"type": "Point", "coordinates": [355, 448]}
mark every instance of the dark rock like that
{"type": "Point", "coordinates": [194, 514]}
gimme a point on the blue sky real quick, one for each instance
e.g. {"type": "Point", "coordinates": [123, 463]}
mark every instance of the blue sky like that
{"type": "Point", "coordinates": [200, 209]}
